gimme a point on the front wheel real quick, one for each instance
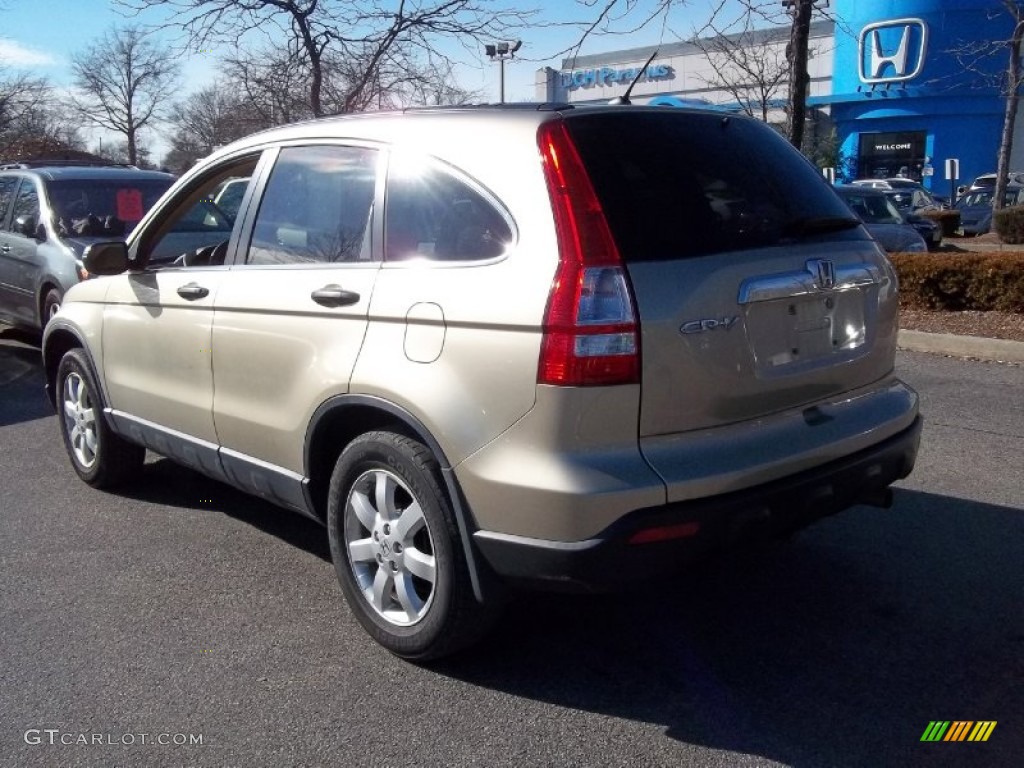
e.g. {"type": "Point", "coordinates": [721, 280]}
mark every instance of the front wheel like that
{"type": "Point", "coordinates": [395, 545]}
{"type": "Point", "coordinates": [99, 456]}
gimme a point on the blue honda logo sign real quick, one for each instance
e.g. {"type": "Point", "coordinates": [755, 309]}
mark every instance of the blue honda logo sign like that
{"type": "Point", "coordinates": [892, 51]}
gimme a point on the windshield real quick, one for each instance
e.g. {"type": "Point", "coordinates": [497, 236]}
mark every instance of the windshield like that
{"type": "Point", "coordinates": [975, 198]}
{"type": "Point", "coordinates": [126, 200]}
{"type": "Point", "coordinates": [872, 209]}
{"type": "Point", "coordinates": [985, 196]}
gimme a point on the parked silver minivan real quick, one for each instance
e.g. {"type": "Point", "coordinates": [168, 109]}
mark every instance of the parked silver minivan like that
{"type": "Point", "coordinates": [49, 215]}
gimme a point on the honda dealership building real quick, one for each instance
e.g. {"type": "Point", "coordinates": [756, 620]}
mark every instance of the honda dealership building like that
{"type": "Point", "coordinates": [895, 80]}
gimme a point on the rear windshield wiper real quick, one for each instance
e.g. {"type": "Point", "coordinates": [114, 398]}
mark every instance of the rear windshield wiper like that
{"type": "Point", "coordinates": [813, 225]}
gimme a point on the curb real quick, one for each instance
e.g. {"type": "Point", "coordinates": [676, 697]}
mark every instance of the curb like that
{"type": "Point", "coordinates": [999, 350]}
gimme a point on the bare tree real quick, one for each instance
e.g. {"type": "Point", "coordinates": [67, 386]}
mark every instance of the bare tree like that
{"type": "Point", "coordinates": [126, 82]}
{"type": "Point", "coordinates": [32, 121]}
{"type": "Point", "coordinates": [371, 39]}
{"type": "Point", "coordinates": [796, 55]}
{"type": "Point", "coordinates": [270, 84]}
{"type": "Point", "coordinates": [749, 65]}
{"type": "Point", "coordinates": [796, 79]}
{"type": "Point", "coordinates": [437, 87]}
{"type": "Point", "coordinates": [20, 96]}
{"type": "Point", "coordinates": [208, 119]}
{"type": "Point", "coordinates": [117, 152]}
{"type": "Point", "coordinates": [981, 58]}
{"type": "Point", "coordinates": [609, 17]}
{"type": "Point", "coordinates": [216, 116]}
{"type": "Point", "coordinates": [1011, 89]}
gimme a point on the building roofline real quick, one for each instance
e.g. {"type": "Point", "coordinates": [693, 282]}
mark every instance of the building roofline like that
{"type": "Point", "coordinates": [772, 34]}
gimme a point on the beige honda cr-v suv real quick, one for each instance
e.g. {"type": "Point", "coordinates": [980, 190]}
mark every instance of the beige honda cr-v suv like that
{"type": "Point", "coordinates": [548, 345]}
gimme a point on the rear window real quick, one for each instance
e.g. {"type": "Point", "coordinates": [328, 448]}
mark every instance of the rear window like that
{"type": "Point", "coordinates": [127, 200]}
{"type": "Point", "coordinates": [676, 183]}
{"type": "Point", "coordinates": [871, 208]}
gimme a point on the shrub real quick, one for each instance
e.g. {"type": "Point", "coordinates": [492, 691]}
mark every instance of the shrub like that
{"type": "Point", "coordinates": [1009, 224]}
{"type": "Point", "coordinates": [968, 281]}
{"type": "Point", "coordinates": [948, 220]}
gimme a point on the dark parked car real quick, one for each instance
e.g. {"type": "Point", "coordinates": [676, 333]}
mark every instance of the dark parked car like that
{"type": "Point", "coordinates": [976, 207]}
{"type": "Point", "coordinates": [48, 215]}
{"type": "Point", "coordinates": [906, 193]}
{"type": "Point", "coordinates": [988, 180]}
{"type": "Point", "coordinates": [881, 218]}
{"type": "Point", "coordinates": [929, 229]}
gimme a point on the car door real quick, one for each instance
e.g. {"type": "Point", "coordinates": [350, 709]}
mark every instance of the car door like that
{"type": "Point", "coordinates": [22, 262]}
{"type": "Point", "coordinates": [291, 315]}
{"type": "Point", "coordinates": [157, 323]}
{"type": "Point", "coordinates": [9, 299]}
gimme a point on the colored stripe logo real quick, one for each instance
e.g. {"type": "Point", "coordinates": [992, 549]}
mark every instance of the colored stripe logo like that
{"type": "Point", "coordinates": [958, 730]}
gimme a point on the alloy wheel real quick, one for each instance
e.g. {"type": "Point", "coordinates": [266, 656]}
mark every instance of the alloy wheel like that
{"type": "Point", "coordinates": [80, 420]}
{"type": "Point", "coordinates": [390, 548]}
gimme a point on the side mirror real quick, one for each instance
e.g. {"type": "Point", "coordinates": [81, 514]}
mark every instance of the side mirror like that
{"type": "Point", "coordinates": [106, 258]}
{"type": "Point", "coordinates": [26, 225]}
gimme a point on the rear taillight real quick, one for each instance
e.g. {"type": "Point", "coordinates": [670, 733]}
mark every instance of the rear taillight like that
{"type": "Point", "coordinates": [590, 326]}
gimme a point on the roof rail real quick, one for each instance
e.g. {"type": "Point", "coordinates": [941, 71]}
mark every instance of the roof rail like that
{"type": "Point", "coordinates": [56, 162]}
{"type": "Point", "coordinates": [531, 106]}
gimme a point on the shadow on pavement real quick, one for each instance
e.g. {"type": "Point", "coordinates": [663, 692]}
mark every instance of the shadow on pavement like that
{"type": "Point", "coordinates": [836, 648]}
{"type": "Point", "coordinates": [22, 397]}
{"type": "Point", "coordinates": [164, 482]}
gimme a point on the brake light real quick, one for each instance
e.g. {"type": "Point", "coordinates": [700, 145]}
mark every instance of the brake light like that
{"type": "Point", "coordinates": [591, 333]}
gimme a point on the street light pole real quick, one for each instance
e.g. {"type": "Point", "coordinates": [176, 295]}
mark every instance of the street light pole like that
{"type": "Point", "coordinates": [501, 80]}
{"type": "Point", "coordinates": [502, 50]}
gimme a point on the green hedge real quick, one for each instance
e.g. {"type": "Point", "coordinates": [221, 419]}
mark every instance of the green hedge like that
{"type": "Point", "coordinates": [1009, 224]}
{"type": "Point", "coordinates": [961, 281]}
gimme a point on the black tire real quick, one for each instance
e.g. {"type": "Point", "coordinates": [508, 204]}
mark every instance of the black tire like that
{"type": "Point", "coordinates": [431, 619]}
{"type": "Point", "coordinates": [101, 458]}
{"type": "Point", "coordinates": [51, 303]}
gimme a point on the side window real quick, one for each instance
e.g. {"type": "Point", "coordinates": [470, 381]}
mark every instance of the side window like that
{"type": "Point", "coordinates": [196, 230]}
{"type": "Point", "coordinates": [27, 201]}
{"type": "Point", "coordinates": [431, 214]}
{"type": "Point", "coordinates": [316, 207]}
{"type": "Point", "coordinates": [7, 186]}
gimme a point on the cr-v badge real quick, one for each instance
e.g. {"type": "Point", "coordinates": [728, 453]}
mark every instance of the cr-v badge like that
{"type": "Point", "coordinates": [710, 324]}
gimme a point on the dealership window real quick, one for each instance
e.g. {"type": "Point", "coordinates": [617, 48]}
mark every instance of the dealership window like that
{"type": "Point", "coordinates": [885, 155]}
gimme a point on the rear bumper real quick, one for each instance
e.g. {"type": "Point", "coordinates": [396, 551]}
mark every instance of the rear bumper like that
{"type": "Point", "coordinates": [610, 560]}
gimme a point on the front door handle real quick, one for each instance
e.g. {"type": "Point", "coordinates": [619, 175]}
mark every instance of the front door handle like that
{"type": "Point", "coordinates": [5, 248]}
{"type": "Point", "coordinates": [334, 295]}
{"type": "Point", "coordinates": [193, 291]}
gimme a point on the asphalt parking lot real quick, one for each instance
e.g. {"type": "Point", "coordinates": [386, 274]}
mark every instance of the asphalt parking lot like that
{"type": "Point", "coordinates": [181, 608]}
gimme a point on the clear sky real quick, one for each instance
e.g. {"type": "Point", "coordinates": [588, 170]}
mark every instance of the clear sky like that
{"type": "Point", "coordinates": [39, 37]}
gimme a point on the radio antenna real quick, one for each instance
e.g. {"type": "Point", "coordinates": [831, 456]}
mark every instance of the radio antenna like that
{"type": "Point", "coordinates": [624, 98]}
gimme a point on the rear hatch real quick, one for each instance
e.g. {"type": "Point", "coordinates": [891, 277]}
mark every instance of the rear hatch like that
{"type": "Point", "coordinates": [757, 290]}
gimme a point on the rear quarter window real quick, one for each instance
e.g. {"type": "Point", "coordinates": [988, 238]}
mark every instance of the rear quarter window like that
{"type": "Point", "coordinates": [432, 214]}
{"type": "Point", "coordinates": [677, 183]}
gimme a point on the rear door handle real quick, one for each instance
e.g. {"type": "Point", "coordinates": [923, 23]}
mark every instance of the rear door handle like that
{"type": "Point", "coordinates": [5, 248]}
{"type": "Point", "coordinates": [193, 291]}
{"type": "Point", "coordinates": [334, 295]}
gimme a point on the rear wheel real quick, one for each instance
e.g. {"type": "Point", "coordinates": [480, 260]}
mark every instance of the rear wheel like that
{"type": "Point", "coordinates": [51, 305]}
{"type": "Point", "coordinates": [100, 457]}
{"type": "Point", "coordinates": [395, 545]}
